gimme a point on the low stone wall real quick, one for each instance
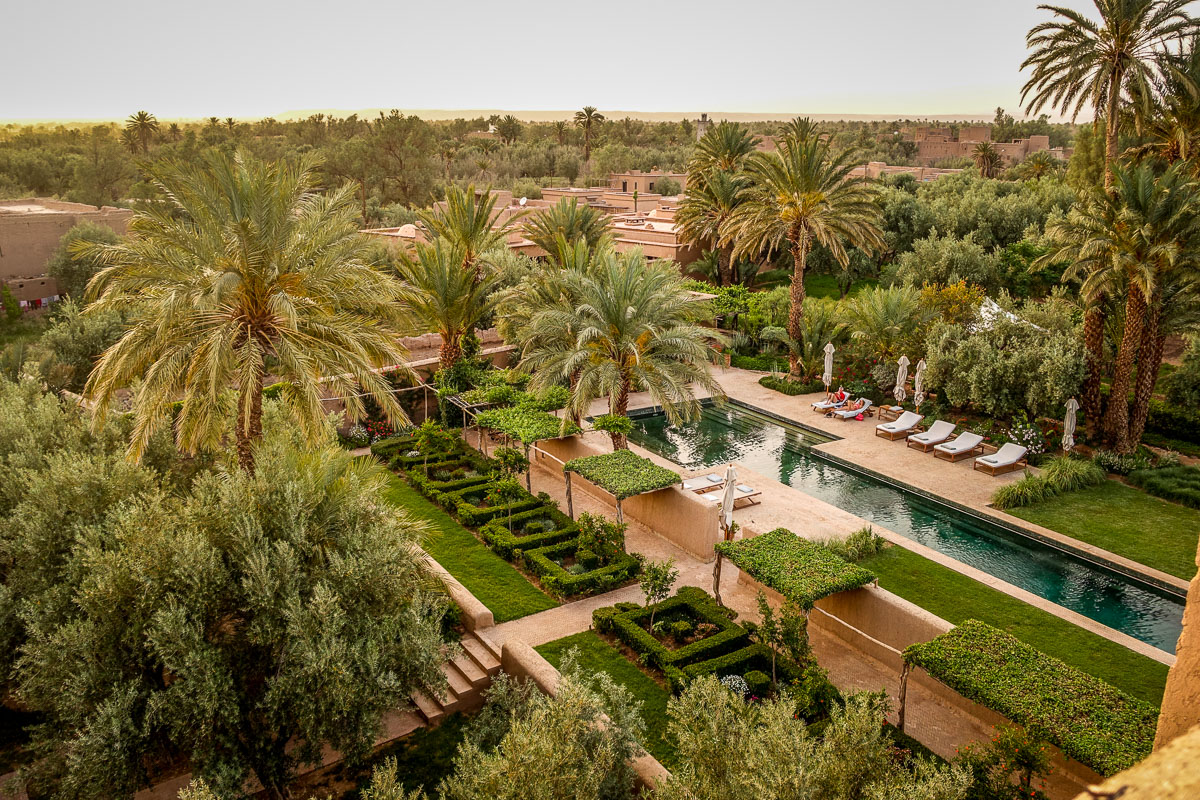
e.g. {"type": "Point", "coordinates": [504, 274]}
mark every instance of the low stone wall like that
{"type": "Point", "coordinates": [679, 517]}
{"type": "Point", "coordinates": [475, 615]}
{"type": "Point", "coordinates": [522, 661]}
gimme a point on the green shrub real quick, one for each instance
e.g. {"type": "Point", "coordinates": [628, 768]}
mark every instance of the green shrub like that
{"type": "Point", "coordinates": [1121, 464]}
{"type": "Point", "coordinates": [539, 527]}
{"type": "Point", "coordinates": [564, 583]}
{"type": "Point", "coordinates": [1177, 484]}
{"type": "Point", "coordinates": [1173, 421]}
{"type": "Point", "coordinates": [1027, 491]}
{"type": "Point", "coordinates": [760, 363]}
{"type": "Point", "coordinates": [863, 543]}
{"type": "Point", "coordinates": [790, 387]}
{"type": "Point", "coordinates": [587, 558]}
{"type": "Point", "coordinates": [1089, 720]}
{"type": "Point", "coordinates": [682, 629]}
{"type": "Point", "coordinates": [800, 570]}
{"type": "Point", "coordinates": [1067, 474]}
{"type": "Point", "coordinates": [622, 473]}
{"type": "Point", "coordinates": [759, 682]}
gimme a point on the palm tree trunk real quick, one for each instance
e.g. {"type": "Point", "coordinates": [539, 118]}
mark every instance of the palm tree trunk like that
{"type": "Point", "coordinates": [724, 262]}
{"type": "Point", "coordinates": [249, 425]}
{"type": "Point", "coordinates": [450, 351]}
{"type": "Point", "coordinates": [1116, 417]}
{"type": "Point", "coordinates": [1111, 124]}
{"type": "Point", "coordinates": [1149, 360]}
{"type": "Point", "coordinates": [1093, 342]}
{"type": "Point", "coordinates": [587, 144]}
{"type": "Point", "coordinates": [800, 245]}
{"type": "Point", "coordinates": [620, 407]}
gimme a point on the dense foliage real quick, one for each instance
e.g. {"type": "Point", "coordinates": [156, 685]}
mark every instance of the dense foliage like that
{"type": "Point", "coordinates": [528, 425]}
{"type": "Point", "coordinates": [800, 570]}
{"type": "Point", "coordinates": [1091, 721]}
{"type": "Point", "coordinates": [622, 473]}
{"type": "Point", "coordinates": [1179, 484]}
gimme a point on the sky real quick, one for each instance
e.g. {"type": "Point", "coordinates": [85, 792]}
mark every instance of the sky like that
{"type": "Point", "coordinates": [80, 59]}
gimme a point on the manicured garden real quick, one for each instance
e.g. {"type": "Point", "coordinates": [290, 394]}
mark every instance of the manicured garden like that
{"type": "Point", "coordinates": [956, 598]}
{"type": "Point", "coordinates": [1125, 521]}
{"type": "Point", "coordinates": [593, 654]}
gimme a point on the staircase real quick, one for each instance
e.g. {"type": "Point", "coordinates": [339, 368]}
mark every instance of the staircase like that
{"type": "Point", "coordinates": [468, 675]}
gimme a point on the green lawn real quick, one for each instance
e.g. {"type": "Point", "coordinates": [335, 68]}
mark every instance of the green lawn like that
{"type": "Point", "coordinates": [596, 655]}
{"type": "Point", "coordinates": [955, 597]}
{"type": "Point", "coordinates": [827, 286]}
{"type": "Point", "coordinates": [495, 582]}
{"type": "Point", "coordinates": [1125, 521]}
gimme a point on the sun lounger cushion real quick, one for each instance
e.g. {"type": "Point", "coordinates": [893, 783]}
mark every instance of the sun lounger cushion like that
{"type": "Point", "coordinates": [938, 432]}
{"type": "Point", "coordinates": [1006, 456]}
{"type": "Point", "coordinates": [905, 422]}
{"type": "Point", "coordinates": [964, 441]}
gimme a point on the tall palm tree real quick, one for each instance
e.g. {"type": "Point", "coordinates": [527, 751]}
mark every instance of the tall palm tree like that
{"type": "Point", "coordinates": [1132, 241]}
{"type": "Point", "coordinates": [174, 131]}
{"type": "Point", "coordinates": [634, 324]}
{"type": "Point", "coordinates": [571, 220]}
{"type": "Point", "coordinates": [560, 131]}
{"type": "Point", "coordinates": [230, 124]}
{"type": "Point", "coordinates": [1107, 64]}
{"type": "Point", "coordinates": [987, 159]}
{"type": "Point", "coordinates": [1172, 129]}
{"type": "Point", "coordinates": [724, 146]}
{"type": "Point", "coordinates": [711, 199]}
{"type": "Point", "coordinates": [823, 323]}
{"type": "Point", "coordinates": [447, 151]}
{"type": "Point", "coordinates": [243, 261]}
{"type": "Point", "coordinates": [144, 127]}
{"type": "Point", "coordinates": [470, 224]}
{"type": "Point", "coordinates": [443, 295]}
{"type": "Point", "coordinates": [801, 195]}
{"type": "Point", "coordinates": [130, 140]}
{"type": "Point", "coordinates": [1040, 165]}
{"type": "Point", "coordinates": [587, 119]}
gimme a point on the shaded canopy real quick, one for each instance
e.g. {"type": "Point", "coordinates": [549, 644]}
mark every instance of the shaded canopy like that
{"type": "Point", "coordinates": [526, 424]}
{"type": "Point", "coordinates": [623, 473]}
{"type": "Point", "coordinates": [800, 570]}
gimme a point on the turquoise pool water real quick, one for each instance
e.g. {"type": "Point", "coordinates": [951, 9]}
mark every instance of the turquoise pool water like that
{"type": "Point", "coordinates": [737, 433]}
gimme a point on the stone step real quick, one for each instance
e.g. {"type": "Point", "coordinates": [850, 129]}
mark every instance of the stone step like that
{"type": "Point", "coordinates": [491, 646]}
{"type": "Point", "coordinates": [478, 652]}
{"type": "Point", "coordinates": [457, 681]}
{"type": "Point", "coordinates": [471, 671]}
{"type": "Point", "coordinates": [427, 707]}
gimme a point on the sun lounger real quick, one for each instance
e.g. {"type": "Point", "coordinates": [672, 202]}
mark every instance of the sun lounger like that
{"type": "Point", "coordinates": [741, 493]}
{"type": "Point", "coordinates": [963, 445]}
{"type": "Point", "coordinates": [903, 426]}
{"type": "Point", "coordinates": [704, 483]}
{"type": "Point", "coordinates": [938, 432]}
{"type": "Point", "coordinates": [1006, 459]}
{"type": "Point", "coordinates": [822, 406]}
{"type": "Point", "coordinates": [851, 413]}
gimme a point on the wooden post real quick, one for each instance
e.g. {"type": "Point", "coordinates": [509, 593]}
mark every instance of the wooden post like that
{"type": "Point", "coordinates": [570, 504]}
{"type": "Point", "coordinates": [528, 472]}
{"type": "Point", "coordinates": [903, 697]}
{"type": "Point", "coordinates": [620, 516]}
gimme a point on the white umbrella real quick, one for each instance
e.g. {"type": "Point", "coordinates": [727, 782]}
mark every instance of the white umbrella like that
{"type": "Point", "coordinates": [901, 376]}
{"type": "Point", "coordinates": [919, 384]}
{"type": "Point", "coordinates": [728, 498]}
{"type": "Point", "coordinates": [1068, 441]}
{"type": "Point", "coordinates": [827, 377]}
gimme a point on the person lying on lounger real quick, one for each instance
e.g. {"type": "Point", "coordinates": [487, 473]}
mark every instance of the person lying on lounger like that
{"type": "Point", "coordinates": [835, 397]}
{"type": "Point", "coordinates": [854, 405]}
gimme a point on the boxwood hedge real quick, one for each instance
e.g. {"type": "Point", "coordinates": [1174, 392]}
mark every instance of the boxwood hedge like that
{"type": "Point", "coordinates": [789, 387]}
{"type": "Point", "coordinates": [1091, 721]}
{"type": "Point", "coordinates": [559, 581]}
{"type": "Point", "coordinates": [505, 543]}
{"type": "Point", "coordinates": [800, 570]}
{"type": "Point", "coordinates": [622, 473]}
{"type": "Point", "coordinates": [526, 424]}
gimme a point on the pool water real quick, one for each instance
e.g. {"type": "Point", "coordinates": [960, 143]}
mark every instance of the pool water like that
{"type": "Point", "coordinates": [737, 433]}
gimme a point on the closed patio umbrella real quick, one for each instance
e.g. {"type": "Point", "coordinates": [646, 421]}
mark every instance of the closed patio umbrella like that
{"type": "Point", "coordinates": [901, 377]}
{"type": "Point", "coordinates": [827, 376]}
{"type": "Point", "coordinates": [1068, 440]}
{"type": "Point", "coordinates": [919, 384]}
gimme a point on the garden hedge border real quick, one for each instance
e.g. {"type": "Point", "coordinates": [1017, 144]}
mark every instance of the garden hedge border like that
{"type": "Point", "coordinates": [1089, 720]}
{"type": "Point", "coordinates": [788, 387]}
{"type": "Point", "coordinates": [1178, 484]}
{"type": "Point", "coordinates": [505, 544]}
{"type": "Point", "coordinates": [566, 584]}
{"type": "Point", "coordinates": [800, 570]}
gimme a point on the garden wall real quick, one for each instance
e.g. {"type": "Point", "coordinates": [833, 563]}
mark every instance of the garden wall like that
{"type": "Point", "coordinates": [678, 516]}
{"type": "Point", "coordinates": [475, 615]}
{"type": "Point", "coordinates": [878, 624]}
{"type": "Point", "coordinates": [521, 661]}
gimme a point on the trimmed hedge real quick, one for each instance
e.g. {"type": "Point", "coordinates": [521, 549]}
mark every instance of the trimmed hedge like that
{"type": "Point", "coordinates": [506, 544]}
{"type": "Point", "coordinates": [788, 387]}
{"type": "Point", "coordinates": [800, 570]}
{"type": "Point", "coordinates": [623, 473]}
{"type": "Point", "coordinates": [527, 424]}
{"type": "Point", "coordinates": [1173, 421]}
{"type": "Point", "coordinates": [760, 363]}
{"type": "Point", "coordinates": [1091, 721]}
{"type": "Point", "coordinates": [559, 581]}
{"type": "Point", "coordinates": [1177, 484]}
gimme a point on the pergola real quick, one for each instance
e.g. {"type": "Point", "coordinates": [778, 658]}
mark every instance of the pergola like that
{"type": "Point", "coordinates": [622, 473]}
{"type": "Point", "coordinates": [526, 425]}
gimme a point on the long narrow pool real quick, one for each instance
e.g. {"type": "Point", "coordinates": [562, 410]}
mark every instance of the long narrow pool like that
{"type": "Point", "coordinates": [734, 432]}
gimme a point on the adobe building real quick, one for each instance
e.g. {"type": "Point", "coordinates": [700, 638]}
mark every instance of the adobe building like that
{"type": "Point", "coordinates": [878, 169]}
{"type": "Point", "coordinates": [644, 182]}
{"type": "Point", "coordinates": [935, 144]}
{"type": "Point", "coordinates": [30, 230]}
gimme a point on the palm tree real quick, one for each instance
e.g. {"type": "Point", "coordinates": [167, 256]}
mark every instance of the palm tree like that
{"type": "Point", "coordinates": [1040, 165]}
{"type": "Point", "coordinates": [711, 199]}
{"type": "Point", "coordinates": [447, 152]}
{"type": "Point", "coordinates": [468, 225]}
{"type": "Point", "coordinates": [802, 194]}
{"type": "Point", "coordinates": [445, 296]}
{"type": "Point", "coordinates": [130, 140]}
{"type": "Point", "coordinates": [1106, 64]}
{"type": "Point", "coordinates": [724, 146]}
{"type": "Point", "coordinates": [634, 324]}
{"type": "Point", "coordinates": [587, 119]}
{"type": "Point", "coordinates": [887, 321]}
{"type": "Point", "coordinates": [174, 131]}
{"type": "Point", "coordinates": [987, 159]}
{"type": "Point", "coordinates": [823, 324]}
{"type": "Point", "coordinates": [1172, 129]}
{"type": "Point", "coordinates": [243, 261]}
{"type": "Point", "coordinates": [570, 220]}
{"type": "Point", "coordinates": [144, 127]}
{"type": "Point", "coordinates": [560, 132]}
{"type": "Point", "coordinates": [230, 124]}
{"type": "Point", "coordinates": [214, 122]}
{"type": "Point", "coordinates": [483, 165]}
{"type": "Point", "coordinates": [1132, 240]}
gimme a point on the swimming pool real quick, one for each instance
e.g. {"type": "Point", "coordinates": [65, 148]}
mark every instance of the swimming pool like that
{"type": "Point", "coordinates": [735, 432]}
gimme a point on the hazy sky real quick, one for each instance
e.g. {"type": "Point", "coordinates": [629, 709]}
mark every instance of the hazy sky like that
{"type": "Point", "coordinates": [82, 59]}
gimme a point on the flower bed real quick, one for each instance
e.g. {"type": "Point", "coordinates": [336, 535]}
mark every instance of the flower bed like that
{"type": "Point", "coordinates": [622, 473]}
{"type": "Point", "coordinates": [557, 579]}
{"type": "Point", "coordinates": [1091, 721]}
{"type": "Point", "coordinates": [526, 534]}
{"type": "Point", "coordinates": [800, 570]}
